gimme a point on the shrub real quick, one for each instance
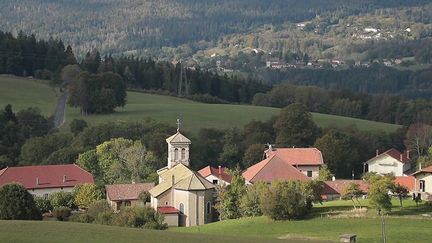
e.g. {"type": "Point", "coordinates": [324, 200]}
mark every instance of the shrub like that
{"type": "Point", "coordinates": [104, 218]}
{"type": "Point", "coordinates": [77, 126]}
{"type": "Point", "coordinates": [81, 218]}
{"type": "Point", "coordinates": [44, 205]}
{"type": "Point", "coordinates": [61, 199]}
{"type": "Point", "coordinates": [286, 200]}
{"type": "Point", "coordinates": [86, 194]}
{"type": "Point", "coordinates": [144, 197]}
{"type": "Point", "coordinates": [250, 202]}
{"type": "Point", "coordinates": [61, 213]}
{"type": "Point", "coordinates": [17, 203]}
{"type": "Point", "coordinates": [142, 217]}
{"type": "Point", "coordinates": [98, 207]}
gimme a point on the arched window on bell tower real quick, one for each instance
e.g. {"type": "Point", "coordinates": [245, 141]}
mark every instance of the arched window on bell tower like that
{"type": "Point", "coordinates": [183, 153]}
{"type": "Point", "coordinates": [176, 154]}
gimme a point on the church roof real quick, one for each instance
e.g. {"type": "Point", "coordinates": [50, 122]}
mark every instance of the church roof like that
{"type": "Point", "coordinates": [273, 168]}
{"type": "Point", "coordinates": [193, 183]}
{"type": "Point", "coordinates": [184, 179]}
{"type": "Point", "coordinates": [178, 138]}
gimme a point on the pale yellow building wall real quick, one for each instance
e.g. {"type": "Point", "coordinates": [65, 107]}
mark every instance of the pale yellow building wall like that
{"type": "Point", "coordinates": [427, 177]}
{"type": "Point", "coordinates": [42, 192]}
{"type": "Point", "coordinates": [386, 165]}
{"type": "Point", "coordinates": [221, 182]}
{"type": "Point", "coordinates": [164, 199]}
{"type": "Point", "coordinates": [305, 168]}
{"type": "Point", "coordinates": [172, 220]}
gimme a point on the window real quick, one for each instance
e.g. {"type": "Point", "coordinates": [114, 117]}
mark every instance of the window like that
{"type": "Point", "coordinates": [309, 173]}
{"type": "Point", "coordinates": [45, 196]}
{"type": "Point", "coordinates": [215, 182]}
{"type": "Point", "coordinates": [127, 203]}
{"type": "Point", "coordinates": [183, 153]}
{"type": "Point", "coordinates": [208, 208]}
{"type": "Point", "coordinates": [422, 186]}
{"type": "Point", "coordinates": [175, 154]}
{"type": "Point", "coordinates": [181, 207]}
{"type": "Point", "coordinates": [166, 203]}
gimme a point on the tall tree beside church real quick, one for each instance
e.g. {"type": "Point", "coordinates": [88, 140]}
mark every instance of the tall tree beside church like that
{"type": "Point", "coordinates": [295, 127]}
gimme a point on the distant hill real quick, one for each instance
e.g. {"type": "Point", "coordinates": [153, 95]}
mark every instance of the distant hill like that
{"type": "Point", "coordinates": [115, 26]}
{"type": "Point", "coordinates": [23, 93]}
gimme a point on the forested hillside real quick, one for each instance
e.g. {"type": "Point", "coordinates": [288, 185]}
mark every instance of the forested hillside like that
{"type": "Point", "coordinates": [123, 25]}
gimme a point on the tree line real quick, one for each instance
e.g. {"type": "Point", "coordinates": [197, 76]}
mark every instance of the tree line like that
{"type": "Point", "coordinates": [385, 107]}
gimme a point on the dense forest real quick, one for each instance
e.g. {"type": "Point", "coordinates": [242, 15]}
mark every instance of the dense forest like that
{"type": "Point", "coordinates": [116, 26]}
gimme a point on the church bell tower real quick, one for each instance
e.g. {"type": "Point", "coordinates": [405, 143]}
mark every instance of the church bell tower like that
{"type": "Point", "coordinates": [178, 148]}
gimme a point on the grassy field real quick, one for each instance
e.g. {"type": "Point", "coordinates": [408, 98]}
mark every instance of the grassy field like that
{"type": "Point", "coordinates": [198, 115]}
{"type": "Point", "coordinates": [22, 93]}
{"type": "Point", "coordinates": [413, 228]}
{"type": "Point", "coordinates": [55, 232]}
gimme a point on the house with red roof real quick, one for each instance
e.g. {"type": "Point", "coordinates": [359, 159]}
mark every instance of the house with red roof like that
{"type": "Point", "coordinates": [390, 162]}
{"type": "Point", "coordinates": [119, 195]}
{"type": "Point", "coordinates": [333, 190]}
{"type": "Point", "coordinates": [407, 181]}
{"type": "Point", "coordinates": [424, 181]}
{"type": "Point", "coordinates": [44, 180]}
{"type": "Point", "coordinates": [273, 168]}
{"type": "Point", "coordinates": [217, 176]}
{"type": "Point", "coordinates": [306, 160]}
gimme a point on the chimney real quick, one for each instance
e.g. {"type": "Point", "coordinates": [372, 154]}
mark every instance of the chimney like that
{"type": "Point", "coordinates": [37, 181]}
{"type": "Point", "coordinates": [401, 157]}
{"type": "Point", "coordinates": [64, 178]}
{"type": "Point", "coordinates": [333, 178]}
{"type": "Point", "coordinates": [377, 152]}
{"type": "Point", "coordinates": [220, 170]}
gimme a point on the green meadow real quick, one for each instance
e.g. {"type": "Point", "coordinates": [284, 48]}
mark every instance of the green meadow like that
{"type": "Point", "coordinates": [22, 93]}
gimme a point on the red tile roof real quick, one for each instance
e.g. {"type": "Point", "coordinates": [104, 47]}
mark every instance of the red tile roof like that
{"type": "Point", "coordinates": [273, 168]}
{"type": "Point", "coordinates": [298, 156]}
{"type": "Point", "coordinates": [337, 186]}
{"type": "Point", "coordinates": [168, 210]}
{"type": "Point", "coordinates": [402, 157]}
{"type": "Point", "coordinates": [119, 192]}
{"type": "Point", "coordinates": [223, 175]}
{"type": "Point", "coordinates": [407, 181]}
{"type": "Point", "coordinates": [48, 176]}
{"type": "Point", "coordinates": [425, 170]}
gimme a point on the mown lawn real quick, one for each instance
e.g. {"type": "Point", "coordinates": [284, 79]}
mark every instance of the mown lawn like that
{"type": "Point", "coordinates": [413, 228]}
{"type": "Point", "coordinates": [65, 232]}
{"type": "Point", "coordinates": [22, 93]}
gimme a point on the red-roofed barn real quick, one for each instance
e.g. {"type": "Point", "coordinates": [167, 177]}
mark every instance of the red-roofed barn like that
{"type": "Point", "coordinates": [46, 179]}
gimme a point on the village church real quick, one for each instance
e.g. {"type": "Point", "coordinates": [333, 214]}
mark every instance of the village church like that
{"type": "Point", "coordinates": [183, 196]}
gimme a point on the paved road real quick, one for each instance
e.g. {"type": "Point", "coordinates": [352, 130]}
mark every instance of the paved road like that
{"type": "Point", "coordinates": [59, 114]}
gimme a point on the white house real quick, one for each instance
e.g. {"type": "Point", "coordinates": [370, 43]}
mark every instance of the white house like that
{"type": "Point", "coordinates": [424, 182]}
{"type": "Point", "coordinates": [390, 162]}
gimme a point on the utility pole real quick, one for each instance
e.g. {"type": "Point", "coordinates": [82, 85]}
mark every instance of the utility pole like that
{"type": "Point", "coordinates": [383, 236]}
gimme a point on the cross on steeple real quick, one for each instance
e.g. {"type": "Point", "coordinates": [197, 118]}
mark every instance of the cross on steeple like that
{"type": "Point", "coordinates": [178, 124]}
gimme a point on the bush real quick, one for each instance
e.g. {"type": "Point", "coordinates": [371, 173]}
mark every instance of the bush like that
{"type": "Point", "coordinates": [77, 126]}
{"type": "Point", "coordinates": [139, 217]}
{"type": "Point", "coordinates": [286, 200]}
{"type": "Point", "coordinates": [104, 218]}
{"type": "Point", "coordinates": [250, 202]}
{"type": "Point", "coordinates": [17, 203]}
{"type": "Point", "coordinates": [62, 213]}
{"type": "Point", "coordinates": [81, 218]}
{"type": "Point", "coordinates": [98, 207]}
{"type": "Point", "coordinates": [62, 199]}
{"type": "Point", "coordinates": [44, 205]}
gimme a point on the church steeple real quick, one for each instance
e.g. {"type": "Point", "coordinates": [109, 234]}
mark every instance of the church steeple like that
{"type": "Point", "coordinates": [178, 148]}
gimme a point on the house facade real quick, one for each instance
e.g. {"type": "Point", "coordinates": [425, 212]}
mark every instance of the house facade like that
{"type": "Point", "coordinates": [121, 195]}
{"type": "Point", "coordinates": [184, 196]}
{"type": "Point", "coordinates": [390, 162]}
{"type": "Point", "coordinates": [423, 184]}
{"type": "Point", "coordinates": [217, 176]}
{"type": "Point", "coordinates": [46, 179]}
